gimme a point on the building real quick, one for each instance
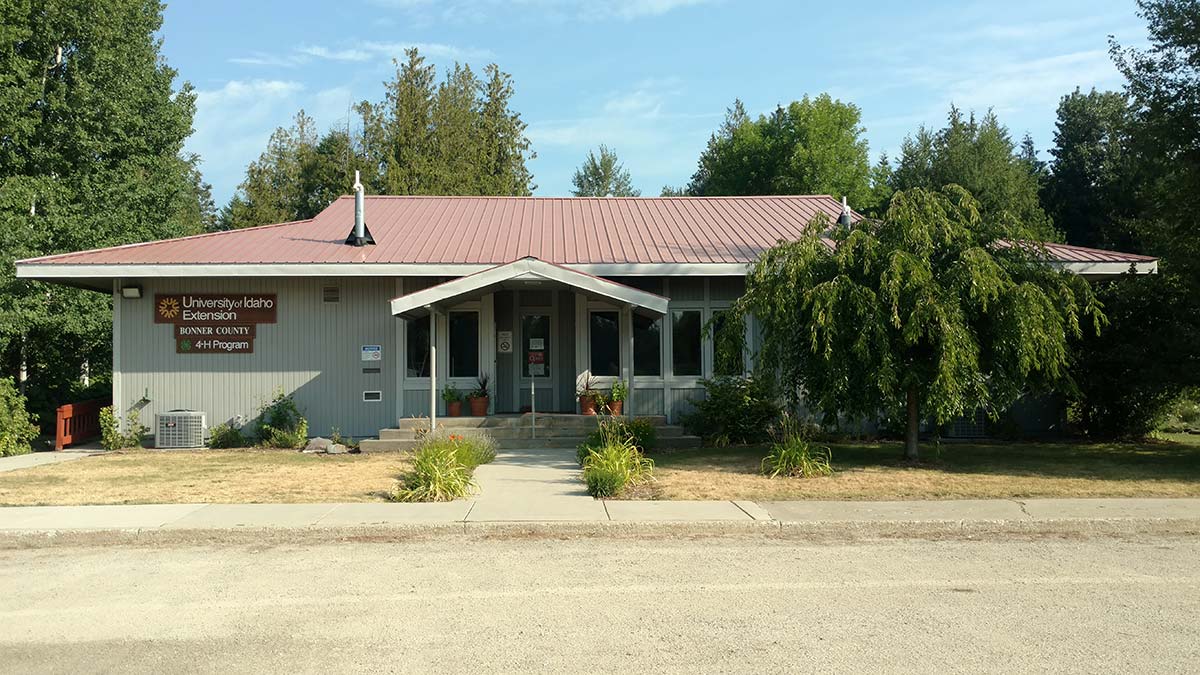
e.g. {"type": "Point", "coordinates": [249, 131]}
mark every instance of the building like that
{"type": "Point", "coordinates": [358, 319]}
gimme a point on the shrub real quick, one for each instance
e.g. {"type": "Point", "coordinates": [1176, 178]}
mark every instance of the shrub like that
{"type": "Point", "coordinates": [443, 465]}
{"type": "Point", "coordinates": [226, 436]}
{"type": "Point", "coordinates": [1182, 416]}
{"type": "Point", "coordinates": [734, 410]}
{"type": "Point", "coordinates": [615, 464]}
{"type": "Point", "coordinates": [17, 428]}
{"type": "Point", "coordinates": [111, 437]}
{"type": "Point", "coordinates": [793, 454]}
{"type": "Point", "coordinates": [438, 475]}
{"type": "Point", "coordinates": [280, 423]}
{"type": "Point", "coordinates": [640, 431]}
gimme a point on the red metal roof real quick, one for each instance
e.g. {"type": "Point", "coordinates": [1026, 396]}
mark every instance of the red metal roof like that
{"type": "Point", "coordinates": [495, 230]}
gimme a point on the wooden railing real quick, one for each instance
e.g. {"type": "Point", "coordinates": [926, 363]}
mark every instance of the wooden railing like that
{"type": "Point", "coordinates": [78, 422]}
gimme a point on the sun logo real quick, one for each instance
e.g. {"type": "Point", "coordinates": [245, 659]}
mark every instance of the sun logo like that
{"type": "Point", "coordinates": [168, 308]}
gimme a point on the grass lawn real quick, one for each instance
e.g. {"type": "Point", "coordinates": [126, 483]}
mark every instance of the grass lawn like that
{"type": "Point", "coordinates": [202, 476]}
{"type": "Point", "coordinates": [1169, 468]}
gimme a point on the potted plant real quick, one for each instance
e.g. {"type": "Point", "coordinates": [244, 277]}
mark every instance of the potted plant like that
{"type": "Point", "coordinates": [589, 396]}
{"type": "Point", "coordinates": [617, 396]}
{"type": "Point", "coordinates": [480, 397]}
{"type": "Point", "coordinates": [453, 398]}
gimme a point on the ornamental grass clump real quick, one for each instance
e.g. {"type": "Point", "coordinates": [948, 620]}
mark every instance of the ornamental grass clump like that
{"type": "Point", "coordinates": [793, 454]}
{"type": "Point", "coordinates": [615, 463]}
{"type": "Point", "coordinates": [443, 467]}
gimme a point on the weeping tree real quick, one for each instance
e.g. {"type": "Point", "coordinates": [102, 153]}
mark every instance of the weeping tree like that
{"type": "Point", "coordinates": [932, 310]}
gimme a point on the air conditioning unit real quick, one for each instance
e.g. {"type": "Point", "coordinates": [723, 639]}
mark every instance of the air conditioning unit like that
{"type": "Point", "coordinates": [179, 429]}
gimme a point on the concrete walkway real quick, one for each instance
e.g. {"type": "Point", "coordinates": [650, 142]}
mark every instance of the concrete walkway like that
{"type": "Point", "coordinates": [586, 510]}
{"type": "Point", "coordinates": [40, 458]}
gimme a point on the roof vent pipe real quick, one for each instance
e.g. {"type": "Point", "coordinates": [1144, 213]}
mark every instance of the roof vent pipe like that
{"type": "Point", "coordinates": [360, 235]}
{"type": "Point", "coordinates": [844, 219]}
{"type": "Point", "coordinates": [360, 225]}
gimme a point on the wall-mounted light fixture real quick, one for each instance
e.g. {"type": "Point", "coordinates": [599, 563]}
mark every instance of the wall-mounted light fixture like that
{"type": "Point", "coordinates": [131, 292]}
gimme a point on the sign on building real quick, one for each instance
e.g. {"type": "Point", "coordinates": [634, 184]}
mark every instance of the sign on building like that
{"type": "Point", "coordinates": [215, 323]}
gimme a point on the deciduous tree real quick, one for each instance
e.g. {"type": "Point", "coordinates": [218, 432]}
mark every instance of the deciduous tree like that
{"type": "Point", "coordinates": [928, 313]}
{"type": "Point", "coordinates": [811, 146]}
{"type": "Point", "coordinates": [92, 124]}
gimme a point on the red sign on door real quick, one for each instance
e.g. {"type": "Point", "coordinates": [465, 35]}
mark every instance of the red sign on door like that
{"type": "Point", "coordinates": [537, 357]}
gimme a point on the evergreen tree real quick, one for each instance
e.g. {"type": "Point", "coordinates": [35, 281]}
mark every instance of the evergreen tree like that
{"type": "Point", "coordinates": [456, 137]}
{"type": "Point", "coordinates": [90, 156]}
{"type": "Point", "coordinates": [1090, 192]}
{"type": "Point", "coordinates": [979, 155]}
{"type": "Point", "coordinates": [603, 176]}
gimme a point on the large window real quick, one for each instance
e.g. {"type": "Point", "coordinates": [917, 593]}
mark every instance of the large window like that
{"type": "Point", "coordinates": [685, 339]}
{"type": "Point", "coordinates": [535, 345]}
{"type": "Point", "coordinates": [417, 358]}
{"type": "Point", "coordinates": [647, 346]}
{"type": "Point", "coordinates": [605, 341]}
{"type": "Point", "coordinates": [464, 344]}
{"type": "Point", "coordinates": [725, 361]}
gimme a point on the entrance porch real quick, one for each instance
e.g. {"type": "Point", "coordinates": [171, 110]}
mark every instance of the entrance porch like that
{"type": "Point", "coordinates": [537, 332]}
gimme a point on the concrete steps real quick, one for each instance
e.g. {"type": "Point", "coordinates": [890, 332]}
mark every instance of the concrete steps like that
{"type": "Point", "coordinates": [518, 431]}
{"type": "Point", "coordinates": [564, 442]}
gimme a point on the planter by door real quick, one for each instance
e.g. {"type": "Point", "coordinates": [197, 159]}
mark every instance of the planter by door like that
{"type": "Point", "coordinates": [479, 406]}
{"type": "Point", "coordinates": [454, 409]}
{"type": "Point", "coordinates": [615, 407]}
{"type": "Point", "coordinates": [587, 405]}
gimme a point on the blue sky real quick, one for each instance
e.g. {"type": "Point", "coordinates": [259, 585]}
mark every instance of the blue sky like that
{"type": "Point", "coordinates": [650, 78]}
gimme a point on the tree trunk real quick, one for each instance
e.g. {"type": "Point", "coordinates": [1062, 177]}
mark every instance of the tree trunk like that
{"type": "Point", "coordinates": [23, 373]}
{"type": "Point", "coordinates": [910, 435]}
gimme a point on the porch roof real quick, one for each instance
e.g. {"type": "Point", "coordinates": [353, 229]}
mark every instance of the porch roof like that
{"type": "Point", "coordinates": [526, 273]}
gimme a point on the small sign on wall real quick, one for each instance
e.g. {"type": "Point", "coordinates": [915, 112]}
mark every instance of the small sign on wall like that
{"type": "Point", "coordinates": [372, 352]}
{"type": "Point", "coordinates": [504, 341]}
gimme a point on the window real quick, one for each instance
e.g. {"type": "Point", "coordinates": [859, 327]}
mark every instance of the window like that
{"type": "Point", "coordinates": [724, 363]}
{"type": "Point", "coordinates": [605, 338]}
{"type": "Point", "coordinates": [464, 344]}
{"type": "Point", "coordinates": [417, 358]}
{"type": "Point", "coordinates": [647, 346]}
{"type": "Point", "coordinates": [685, 338]}
{"type": "Point", "coordinates": [535, 345]}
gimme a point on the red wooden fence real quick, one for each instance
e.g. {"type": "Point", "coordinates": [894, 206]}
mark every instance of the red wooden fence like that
{"type": "Point", "coordinates": [78, 422]}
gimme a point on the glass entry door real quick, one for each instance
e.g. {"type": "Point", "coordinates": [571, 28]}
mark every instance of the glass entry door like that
{"type": "Point", "coordinates": [537, 360]}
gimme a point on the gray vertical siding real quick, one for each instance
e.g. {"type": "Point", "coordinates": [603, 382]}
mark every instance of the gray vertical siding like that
{"type": "Point", "coordinates": [505, 363]}
{"type": "Point", "coordinates": [313, 352]}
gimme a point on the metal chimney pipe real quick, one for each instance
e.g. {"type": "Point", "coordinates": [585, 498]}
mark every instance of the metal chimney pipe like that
{"type": "Point", "coordinates": [360, 227]}
{"type": "Point", "coordinates": [844, 219]}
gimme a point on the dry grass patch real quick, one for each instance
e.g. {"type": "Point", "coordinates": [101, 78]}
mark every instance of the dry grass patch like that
{"type": "Point", "coordinates": [956, 471]}
{"type": "Point", "coordinates": [206, 476]}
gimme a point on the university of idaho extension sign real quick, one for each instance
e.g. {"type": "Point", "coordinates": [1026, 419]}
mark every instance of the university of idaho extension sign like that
{"type": "Point", "coordinates": [215, 323]}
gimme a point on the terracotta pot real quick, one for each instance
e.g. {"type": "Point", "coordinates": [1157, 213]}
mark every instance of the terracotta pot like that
{"type": "Point", "coordinates": [479, 406]}
{"type": "Point", "coordinates": [587, 405]}
{"type": "Point", "coordinates": [454, 408]}
{"type": "Point", "coordinates": [615, 407]}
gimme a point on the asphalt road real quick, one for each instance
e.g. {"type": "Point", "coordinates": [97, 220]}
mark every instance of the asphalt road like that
{"type": "Point", "coordinates": [752, 606]}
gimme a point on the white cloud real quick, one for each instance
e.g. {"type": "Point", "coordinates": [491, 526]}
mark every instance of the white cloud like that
{"type": "Point", "coordinates": [482, 10]}
{"type": "Point", "coordinates": [361, 53]}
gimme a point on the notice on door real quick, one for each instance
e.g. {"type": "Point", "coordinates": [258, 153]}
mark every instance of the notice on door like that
{"type": "Point", "coordinates": [537, 363]}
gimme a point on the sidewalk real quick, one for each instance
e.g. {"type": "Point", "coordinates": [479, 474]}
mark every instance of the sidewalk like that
{"type": "Point", "coordinates": [481, 511]}
{"type": "Point", "coordinates": [46, 457]}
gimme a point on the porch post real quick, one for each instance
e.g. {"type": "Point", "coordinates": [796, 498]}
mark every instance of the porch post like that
{"type": "Point", "coordinates": [627, 370]}
{"type": "Point", "coordinates": [432, 370]}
